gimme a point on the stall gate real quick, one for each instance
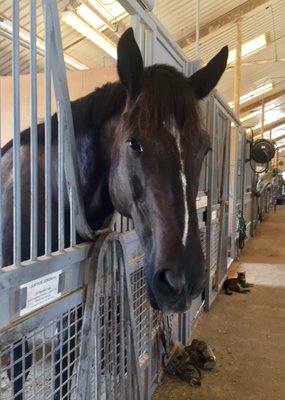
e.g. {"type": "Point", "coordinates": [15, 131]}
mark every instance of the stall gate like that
{"type": "Point", "coordinates": [43, 298]}
{"type": "Point", "coordinates": [219, 237]}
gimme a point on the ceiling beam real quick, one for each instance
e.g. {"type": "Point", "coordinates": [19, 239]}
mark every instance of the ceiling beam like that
{"type": "Point", "coordinates": [218, 23]}
{"type": "Point", "coordinates": [258, 62]}
{"type": "Point", "coordinates": [258, 103]}
{"type": "Point", "coordinates": [279, 138]}
{"type": "Point", "coordinates": [273, 125]}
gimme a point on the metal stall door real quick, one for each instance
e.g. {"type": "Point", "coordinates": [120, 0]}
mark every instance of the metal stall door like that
{"type": "Point", "coordinates": [249, 204]}
{"type": "Point", "coordinates": [42, 291]}
{"type": "Point", "coordinates": [218, 200]}
{"type": "Point", "coordinates": [236, 190]}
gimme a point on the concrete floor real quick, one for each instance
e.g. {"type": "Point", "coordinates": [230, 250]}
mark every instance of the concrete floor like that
{"type": "Point", "coordinates": [247, 331]}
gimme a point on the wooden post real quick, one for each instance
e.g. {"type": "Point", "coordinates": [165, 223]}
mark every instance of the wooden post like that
{"type": "Point", "coordinates": [237, 70]}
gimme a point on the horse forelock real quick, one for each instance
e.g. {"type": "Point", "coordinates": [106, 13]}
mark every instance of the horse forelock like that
{"type": "Point", "coordinates": [165, 95]}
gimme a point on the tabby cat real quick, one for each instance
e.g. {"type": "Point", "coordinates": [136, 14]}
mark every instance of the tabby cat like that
{"type": "Point", "coordinates": [238, 284]}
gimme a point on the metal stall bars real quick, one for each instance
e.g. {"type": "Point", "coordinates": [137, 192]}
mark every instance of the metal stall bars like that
{"type": "Point", "coordinates": [217, 251]}
{"type": "Point", "coordinates": [42, 298]}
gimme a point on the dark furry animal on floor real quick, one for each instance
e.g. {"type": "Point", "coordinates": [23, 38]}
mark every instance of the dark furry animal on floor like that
{"type": "Point", "coordinates": [238, 284]}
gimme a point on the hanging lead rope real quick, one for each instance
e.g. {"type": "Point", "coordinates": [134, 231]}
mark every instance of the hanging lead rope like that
{"type": "Point", "coordinates": [241, 230]}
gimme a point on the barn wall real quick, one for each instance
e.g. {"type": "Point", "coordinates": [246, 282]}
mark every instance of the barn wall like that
{"type": "Point", "coordinates": [80, 83]}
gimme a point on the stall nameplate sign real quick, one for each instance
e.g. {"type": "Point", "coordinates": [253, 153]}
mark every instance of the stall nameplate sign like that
{"type": "Point", "coordinates": [214, 215]}
{"type": "Point", "coordinates": [41, 291]}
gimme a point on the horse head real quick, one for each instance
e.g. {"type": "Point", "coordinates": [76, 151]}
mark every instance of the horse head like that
{"type": "Point", "coordinates": [157, 155]}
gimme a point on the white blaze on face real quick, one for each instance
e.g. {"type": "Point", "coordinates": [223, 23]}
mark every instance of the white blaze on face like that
{"type": "Point", "coordinates": [176, 134]}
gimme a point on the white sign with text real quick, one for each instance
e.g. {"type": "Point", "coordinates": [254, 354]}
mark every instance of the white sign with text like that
{"type": "Point", "coordinates": [41, 291]}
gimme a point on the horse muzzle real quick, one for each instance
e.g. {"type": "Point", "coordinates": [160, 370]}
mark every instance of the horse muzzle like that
{"type": "Point", "coordinates": [173, 293]}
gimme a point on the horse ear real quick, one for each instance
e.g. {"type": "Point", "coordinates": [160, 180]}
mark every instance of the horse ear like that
{"type": "Point", "coordinates": [205, 79]}
{"type": "Point", "coordinates": [130, 62]}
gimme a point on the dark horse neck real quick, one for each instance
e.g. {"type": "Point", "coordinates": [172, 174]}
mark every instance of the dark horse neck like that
{"type": "Point", "coordinates": [95, 118]}
{"type": "Point", "coordinates": [95, 132]}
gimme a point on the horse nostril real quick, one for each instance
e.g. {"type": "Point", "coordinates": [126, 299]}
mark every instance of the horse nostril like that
{"type": "Point", "coordinates": [168, 283]}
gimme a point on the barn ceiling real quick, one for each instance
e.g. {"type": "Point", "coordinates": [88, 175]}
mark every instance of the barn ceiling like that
{"type": "Point", "coordinates": [218, 26]}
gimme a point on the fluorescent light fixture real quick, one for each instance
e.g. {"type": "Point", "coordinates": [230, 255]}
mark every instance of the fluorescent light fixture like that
{"type": "Point", "coordinates": [110, 11]}
{"type": "Point", "coordinates": [89, 16]}
{"type": "Point", "coordinates": [95, 20]}
{"type": "Point", "coordinates": [74, 63]}
{"type": "Point", "coordinates": [249, 48]}
{"type": "Point", "coordinates": [71, 19]}
{"type": "Point", "coordinates": [7, 25]}
{"type": "Point", "coordinates": [254, 93]}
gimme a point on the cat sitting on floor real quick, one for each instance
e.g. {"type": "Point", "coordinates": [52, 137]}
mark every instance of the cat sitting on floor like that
{"type": "Point", "coordinates": [238, 284]}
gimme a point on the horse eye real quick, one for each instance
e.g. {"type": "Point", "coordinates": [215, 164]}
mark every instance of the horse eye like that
{"type": "Point", "coordinates": [134, 145]}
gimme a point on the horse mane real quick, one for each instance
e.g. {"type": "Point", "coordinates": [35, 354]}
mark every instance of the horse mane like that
{"type": "Point", "coordinates": [90, 111]}
{"type": "Point", "coordinates": [95, 109]}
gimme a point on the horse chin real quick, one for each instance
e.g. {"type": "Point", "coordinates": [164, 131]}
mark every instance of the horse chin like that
{"type": "Point", "coordinates": [179, 307]}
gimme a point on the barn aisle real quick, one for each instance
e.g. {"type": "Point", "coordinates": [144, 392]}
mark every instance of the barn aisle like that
{"type": "Point", "coordinates": [247, 331]}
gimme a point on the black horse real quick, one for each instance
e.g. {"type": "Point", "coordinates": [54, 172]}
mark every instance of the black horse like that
{"type": "Point", "coordinates": [140, 149]}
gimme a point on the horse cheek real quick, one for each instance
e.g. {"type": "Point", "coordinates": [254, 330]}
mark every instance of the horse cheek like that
{"type": "Point", "coordinates": [119, 188]}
